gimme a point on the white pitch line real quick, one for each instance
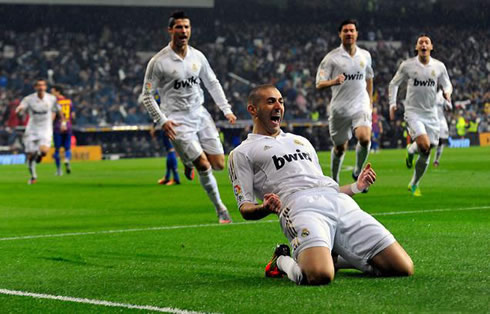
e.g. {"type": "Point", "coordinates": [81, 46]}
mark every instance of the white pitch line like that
{"type": "Point", "coordinates": [70, 234]}
{"type": "Point", "coordinates": [96, 302]}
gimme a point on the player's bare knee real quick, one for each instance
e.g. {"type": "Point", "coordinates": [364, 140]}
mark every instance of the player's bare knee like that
{"type": "Point", "coordinates": [364, 142]}
{"type": "Point", "coordinates": [218, 165]}
{"type": "Point", "coordinates": [320, 277]}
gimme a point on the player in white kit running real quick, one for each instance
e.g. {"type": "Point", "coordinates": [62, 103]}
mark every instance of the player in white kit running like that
{"type": "Point", "coordinates": [323, 224]}
{"type": "Point", "coordinates": [348, 71]}
{"type": "Point", "coordinates": [424, 75]}
{"type": "Point", "coordinates": [176, 72]}
{"type": "Point", "coordinates": [41, 107]}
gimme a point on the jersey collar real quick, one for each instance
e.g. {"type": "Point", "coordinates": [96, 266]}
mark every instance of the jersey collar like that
{"type": "Point", "coordinates": [346, 53]}
{"type": "Point", "coordinates": [254, 137]}
{"type": "Point", "coordinates": [175, 56]}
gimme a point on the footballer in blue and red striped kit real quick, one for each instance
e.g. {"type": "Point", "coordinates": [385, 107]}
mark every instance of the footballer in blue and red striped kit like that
{"type": "Point", "coordinates": [62, 129]}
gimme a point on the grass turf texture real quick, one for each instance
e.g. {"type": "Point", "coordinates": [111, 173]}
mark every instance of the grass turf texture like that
{"type": "Point", "coordinates": [220, 268]}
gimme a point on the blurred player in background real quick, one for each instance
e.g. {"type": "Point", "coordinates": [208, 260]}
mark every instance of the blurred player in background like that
{"type": "Point", "coordinates": [176, 73]}
{"type": "Point", "coordinates": [347, 70]}
{"type": "Point", "coordinates": [442, 105]}
{"type": "Point", "coordinates": [377, 130]}
{"type": "Point", "coordinates": [42, 108]}
{"type": "Point", "coordinates": [424, 75]}
{"type": "Point", "coordinates": [62, 129]}
{"type": "Point", "coordinates": [318, 217]}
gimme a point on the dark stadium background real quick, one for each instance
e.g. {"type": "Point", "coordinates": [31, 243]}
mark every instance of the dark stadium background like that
{"type": "Point", "coordinates": [99, 54]}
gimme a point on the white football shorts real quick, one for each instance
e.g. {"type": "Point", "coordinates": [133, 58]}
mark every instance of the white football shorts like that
{"type": "Point", "coordinates": [32, 143]}
{"type": "Point", "coordinates": [341, 127]}
{"type": "Point", "coordinates": [196, 133]}
{"type": "Point", "coordinates": [419, 125]}
{"type": "Point", "coordinates": [443, 129]}
{"type": "Point", "coordinates": [323, 217]}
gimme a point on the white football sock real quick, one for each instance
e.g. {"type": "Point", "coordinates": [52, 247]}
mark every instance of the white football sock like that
{"type": "Point", "coordinates": [208, 182]}
{"type": "Point", "coordinates": [412, 148]}
{"type": "Point", "coordinates": [288, 265]}
{"type": "Point", "coordinates": [335, 164]}
{"type": "Point", "coordinates": [361, 157]}
{"type": "Point", "coordinates": [420, 167]}
{"type": "Point", "coordinates": [439, 150]}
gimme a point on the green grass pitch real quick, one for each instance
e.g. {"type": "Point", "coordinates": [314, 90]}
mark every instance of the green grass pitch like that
{"type": "Point", "coordinates": [202, 266]}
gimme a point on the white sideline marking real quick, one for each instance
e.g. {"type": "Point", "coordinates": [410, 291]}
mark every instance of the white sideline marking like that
{"type": "Point", "coordinates": [95, 302]}
{"type": "Point", "coordinates": [70, 234]}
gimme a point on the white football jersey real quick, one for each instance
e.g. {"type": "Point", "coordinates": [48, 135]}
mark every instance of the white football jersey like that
{"type": "Point", "coordinates": [351, 96]}
{"type": "Point", "coordinates": [40, 114]}
{"type": "Point", "coordinates": [177, 81]}
{"type": "Point", "coordinates": [282, 165]}
{"type": "Point", "coordinates": [423, 82]}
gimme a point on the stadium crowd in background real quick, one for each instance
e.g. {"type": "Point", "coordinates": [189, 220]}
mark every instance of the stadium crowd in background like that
{"type": "Point", "coordinates": [103, 76]}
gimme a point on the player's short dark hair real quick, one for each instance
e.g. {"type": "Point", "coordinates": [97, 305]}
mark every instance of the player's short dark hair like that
{"type": "Point", "coordinates": [177, 15]}
{"type": "Point", "coordinates": [40, 79]}
{"type": "Point", "coordinates": [59, 88]}
{"type": "Point", "coordinates": [253, 96]}
{"type": "Point", "coordinates": [348, 21]}
{"type": "Point", "coordinates": [424, 35]}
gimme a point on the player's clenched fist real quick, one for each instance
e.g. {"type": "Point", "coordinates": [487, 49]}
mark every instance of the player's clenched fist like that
{"type": "Point", "coordinates": [272, 203]}
{"type": "Point", "coordinates": [340, 79]}
{"type": "Point", "coordinates": [366, 178]}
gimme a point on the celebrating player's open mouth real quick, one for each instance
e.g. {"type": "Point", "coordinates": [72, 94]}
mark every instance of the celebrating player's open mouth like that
{"type": "Point", "coordinates": [276, 119]}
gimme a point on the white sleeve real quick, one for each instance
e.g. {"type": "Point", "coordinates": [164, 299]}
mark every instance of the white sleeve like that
{"type": "Point", "coordinates": [152, 79]}
{"type": "Point", "coordinates": [56, 107]}
{"type": "Point", "coordinates": [211, 82]}
{"type": "Point", "coordinates": [22, 106]}
{"type": "Point", "coordinates": [399, 77]}
{"type": "Point", "coordinates": [369, 67]}
{"type": "Point", "coordinates": [324, 72]}
{"type": "Point", "coordinates": [240, 170]}
{"type": "Point", "coordinates": [444, 80]}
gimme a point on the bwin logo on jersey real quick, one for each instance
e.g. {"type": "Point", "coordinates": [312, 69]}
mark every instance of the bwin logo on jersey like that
{"type": "Point", "coordinates": [356, 76]}
{"type": "Point", "coordinates": [279, 162]}
{"type": "Point", "coordinates": [186, 83]}
{"type": "Point", "coordinates": [428, 83]}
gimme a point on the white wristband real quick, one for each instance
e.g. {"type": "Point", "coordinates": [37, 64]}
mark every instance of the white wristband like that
{"type": "Point", "coordinates": [354, 188]}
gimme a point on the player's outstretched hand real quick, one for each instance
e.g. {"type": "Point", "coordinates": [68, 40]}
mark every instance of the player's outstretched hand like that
{"type": "Point", "coordinates": [168, 128]}
{"type": "Point", "coordinates": [366, 178]}
{"type": "Point", "coordinates": [272, 203]}
{"type": "Point", "coordinates": [392, 112]}
{"type": "Point", "coordinates": [231, 118]}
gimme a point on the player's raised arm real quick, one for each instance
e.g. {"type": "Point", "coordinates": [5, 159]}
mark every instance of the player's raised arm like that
{"type": "Point", "coordinates": [445, 83]}
{"type": "Point", "coordinates": [214, 87]}
{"type": "Point", "coordinates": [399, 77]}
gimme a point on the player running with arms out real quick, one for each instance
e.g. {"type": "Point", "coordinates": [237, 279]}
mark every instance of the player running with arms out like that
{"type": "Point", "coordinates": [424, 75]}
{"type": "Point", "coordinates": [62, 129]}
{"type": "Point", "coordinates": [347, 71]}
{"type": "Point", "coordinates": [318, 217]}
{"type": "Point", "coordinates": [42, 108]}
{"type": "Point", "coordinates": [176, 73]}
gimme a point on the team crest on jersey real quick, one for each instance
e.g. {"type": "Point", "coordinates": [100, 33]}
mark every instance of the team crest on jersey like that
{"type": "Point", "coordinates": [296, 141]}
{"type": "Point", "coordinates": [362, 64]}
{"type": "Point", "coordinates": [148, 86]}
{"type": "Point", "coordinates": [305, 232]}
{"type": "Point", "coordinates": [194, 67]}
{"type": "Point", "coordinates": [266, 147]}
{"type": "Point", "coordinates": [433, 73]}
